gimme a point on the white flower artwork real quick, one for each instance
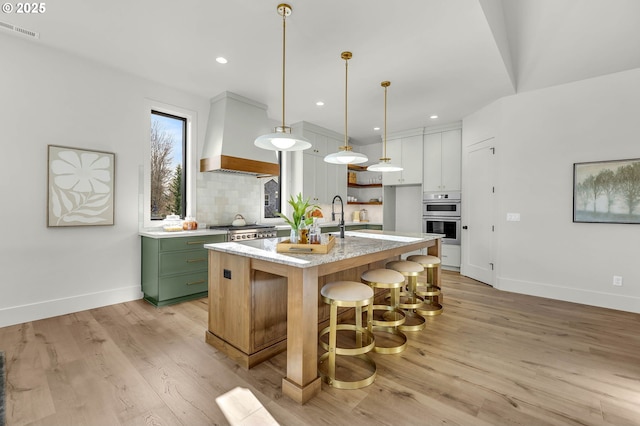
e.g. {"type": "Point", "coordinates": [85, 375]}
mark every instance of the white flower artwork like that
{"type": "Point", "coordinates": [80, 187]}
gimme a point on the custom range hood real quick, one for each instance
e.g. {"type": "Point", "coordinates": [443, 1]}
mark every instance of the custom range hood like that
{"type": "Point", "coordinates": [234, 123]}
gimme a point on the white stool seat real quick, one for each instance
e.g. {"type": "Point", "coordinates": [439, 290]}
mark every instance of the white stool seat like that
{"type": "Point", "coordinates": [382, 276]}
{"type": "Point", "coordinates": [425, 260]}
{"type": "Point", "coordinates": [346, 291]}
{"type": "Point", "coordinates": [405, 266]}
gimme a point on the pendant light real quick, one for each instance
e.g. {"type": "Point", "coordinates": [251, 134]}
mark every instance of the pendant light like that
{"type": "Point", "coordinates": [345, 155]}
{"type": "Point", "coordinates": [282, 139]}
{"type": "Point", "coordinates": [385, 164]}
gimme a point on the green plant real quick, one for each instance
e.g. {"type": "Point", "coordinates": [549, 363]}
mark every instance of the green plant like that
{"type": "Point", "coordinates": [301, 208]}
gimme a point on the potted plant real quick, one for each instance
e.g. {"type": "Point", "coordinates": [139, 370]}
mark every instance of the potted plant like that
{"type": "Point", "coordinates": [300, 217]}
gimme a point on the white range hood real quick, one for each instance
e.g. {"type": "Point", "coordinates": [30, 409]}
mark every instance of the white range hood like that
{"type": "Point", "coordinates": [234, 123]}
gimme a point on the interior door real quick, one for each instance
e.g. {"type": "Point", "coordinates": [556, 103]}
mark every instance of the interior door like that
{"type": "Point", "coordinates": [478, 213]}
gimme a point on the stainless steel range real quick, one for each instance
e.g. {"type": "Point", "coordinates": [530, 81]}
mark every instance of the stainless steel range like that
{"type": "Point", "coordinates": [247, 232]}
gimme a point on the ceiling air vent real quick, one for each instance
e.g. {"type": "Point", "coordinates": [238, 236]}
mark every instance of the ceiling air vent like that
{"type": "Point", "coordinates": [19, 30]}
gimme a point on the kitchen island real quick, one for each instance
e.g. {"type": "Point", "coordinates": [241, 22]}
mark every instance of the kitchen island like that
{"type": "Point", "coordinates": [262, 302]}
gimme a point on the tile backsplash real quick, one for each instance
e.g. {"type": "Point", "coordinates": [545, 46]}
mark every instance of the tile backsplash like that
{"type": "Point", "coordinates": [220, 196]}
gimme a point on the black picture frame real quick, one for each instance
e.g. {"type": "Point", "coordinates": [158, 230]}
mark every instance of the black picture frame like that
{"type": "Point", "coordinates": [607, 191]}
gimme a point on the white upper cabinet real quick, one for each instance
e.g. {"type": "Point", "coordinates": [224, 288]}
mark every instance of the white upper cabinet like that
{"type": "Point", "coordinates": [442, 159]}
{"type": "Point", "coordinates": [321, 181]}
{"type": "Point", "coordinates": [407, 152]}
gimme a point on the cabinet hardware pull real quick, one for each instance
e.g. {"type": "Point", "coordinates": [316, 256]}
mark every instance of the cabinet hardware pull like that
{"type": "Point", "coordinates": [196, 242]}
{"type": "Point", "coordinates": [196, 260]}
{"type": "Point", "coordinates": [195, 282]}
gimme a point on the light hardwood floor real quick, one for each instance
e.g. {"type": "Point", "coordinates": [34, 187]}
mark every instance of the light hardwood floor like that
{"type": "Point", "coordinates": [492, 358]}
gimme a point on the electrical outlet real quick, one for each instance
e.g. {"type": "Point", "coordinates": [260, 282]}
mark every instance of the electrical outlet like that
{"type": "Point", "coordinates": [617, 280]}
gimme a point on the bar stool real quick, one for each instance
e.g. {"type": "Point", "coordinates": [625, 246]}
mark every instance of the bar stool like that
{"type": "Point", "coordinates": [354, 295]}
{"type": "Point", "coordinates": [393, 316]}
{"type": "Point", "coordinates": [430, 291]}
{"type": "Point", "coordinates": [410, 270]}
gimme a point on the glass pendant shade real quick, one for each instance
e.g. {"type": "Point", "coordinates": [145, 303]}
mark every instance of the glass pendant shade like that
{"type": "Point", "coordinates": [282, 139]}
{"type": "Point", "coordinates": [345, 154]}
{"type": "Point", "coordinates": [346, 157]}
{"type": "Point", "coordinates": [384, 166]}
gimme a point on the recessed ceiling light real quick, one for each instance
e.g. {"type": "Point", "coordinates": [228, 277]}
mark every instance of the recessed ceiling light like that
{"type": "Point", "coordinates": [320, 103]}
{"type": "Point", "coordinates": [433, 117]}
{"type": "Point", "coordinates": [376, 128]}
{"type": "Point", "coordinates": [221, 60]}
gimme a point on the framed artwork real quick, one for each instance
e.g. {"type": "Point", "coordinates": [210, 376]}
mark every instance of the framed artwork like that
{"type": "Point", "coordinates": [607, 191]}
{"type": "Point", "coordinates": [80, 187]}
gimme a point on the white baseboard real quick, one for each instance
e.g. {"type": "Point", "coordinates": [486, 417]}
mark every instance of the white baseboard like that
{"type": "Point", "coordinates": [51, 308]}
{"type": "Point", "coordinates": [619, 302]}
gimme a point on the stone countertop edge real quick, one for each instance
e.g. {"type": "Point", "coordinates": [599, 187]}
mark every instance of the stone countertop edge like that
{"type": "Point", "coordinates": [349, 247]}
{"type": "Point", "coordinates": [160, 233]}
{"type": "Point", "coordinates": [331, 224]}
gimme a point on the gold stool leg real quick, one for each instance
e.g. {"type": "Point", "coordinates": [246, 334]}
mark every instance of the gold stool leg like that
{"type": "Point", "coordinates": [333, 337]}
{"type": "Point", "coordinates": [327, 362]}
{"type": "Point", "coordinates": [432, 305]}
{"type": "Point", "coordinates": [414, 322]}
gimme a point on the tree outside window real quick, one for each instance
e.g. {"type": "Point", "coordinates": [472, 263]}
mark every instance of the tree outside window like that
{"type": "Point", "coordinates": [168, 165]}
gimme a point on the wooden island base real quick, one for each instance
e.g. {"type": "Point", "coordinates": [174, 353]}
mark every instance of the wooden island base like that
{"type": "Point", "coordinates": [257, 301]}
{"type": "Point", "coordinates": [259, 307]}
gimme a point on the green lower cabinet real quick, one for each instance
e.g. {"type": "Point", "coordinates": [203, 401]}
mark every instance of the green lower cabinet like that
{"type": "Point", "coordinates": [175, 269]}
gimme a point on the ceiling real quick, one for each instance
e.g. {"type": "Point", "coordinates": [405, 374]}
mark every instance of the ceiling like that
{"type": "Point", "coordinates": [444, 57]}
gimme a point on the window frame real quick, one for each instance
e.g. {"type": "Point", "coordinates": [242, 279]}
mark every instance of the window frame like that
{"type": "Point", "coordinates": [189, 161]}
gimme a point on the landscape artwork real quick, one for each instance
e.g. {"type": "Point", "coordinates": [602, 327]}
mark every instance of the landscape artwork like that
{"type": "Point", "coordinates": [80, 187]}
{"type": "Point", "coordinates": [607, 191]}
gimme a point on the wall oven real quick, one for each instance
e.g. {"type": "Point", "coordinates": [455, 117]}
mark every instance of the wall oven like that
{"type": "Point", "coordinates": [441, 215]}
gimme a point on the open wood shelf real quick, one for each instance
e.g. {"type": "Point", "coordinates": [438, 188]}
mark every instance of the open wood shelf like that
{"type": "Point", "coordinates": [371, 203]}
{"type": "Point", "coordinates": [357, 168]}
{"type": "Point", "coordinates": [364, 185]}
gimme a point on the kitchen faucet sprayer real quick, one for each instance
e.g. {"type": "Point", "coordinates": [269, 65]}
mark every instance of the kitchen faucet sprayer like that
{"type": "Point", "coordinates": [333, 215]}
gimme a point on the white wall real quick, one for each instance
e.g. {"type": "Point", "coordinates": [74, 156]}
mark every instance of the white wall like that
{"type": "Point", "coordinates": [539, 135]}
{"type": "Point", "coordinates": [49, 97]}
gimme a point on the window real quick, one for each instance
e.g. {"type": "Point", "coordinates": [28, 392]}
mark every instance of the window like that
{"type": "Point", "coordinates": [168, 165]}
{"type": "Point", "coordinates": [271, 189]}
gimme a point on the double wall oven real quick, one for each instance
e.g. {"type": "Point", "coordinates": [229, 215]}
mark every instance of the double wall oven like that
{"type": "Point", "coordinates": [441, 215]}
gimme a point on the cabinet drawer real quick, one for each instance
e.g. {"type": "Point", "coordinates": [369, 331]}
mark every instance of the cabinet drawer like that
{"type": "Point", "coordinates": [183, 261]}
{"type": "Point", "coordinates": [183, 285]}
{"type": "Point", "coordinates": [188, 243]}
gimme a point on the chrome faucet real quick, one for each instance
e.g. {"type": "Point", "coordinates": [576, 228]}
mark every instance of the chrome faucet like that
{"type": "Point", "coordinates": [333, 215]}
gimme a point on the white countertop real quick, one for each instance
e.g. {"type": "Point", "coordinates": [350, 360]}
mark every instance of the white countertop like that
{"type": "Point", "coordinates": [355, 243]}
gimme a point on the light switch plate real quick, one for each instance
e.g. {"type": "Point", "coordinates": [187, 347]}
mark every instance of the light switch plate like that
{"type": "Point", "coordinates": [513, 217]}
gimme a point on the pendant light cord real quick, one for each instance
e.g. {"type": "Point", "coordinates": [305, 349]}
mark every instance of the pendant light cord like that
{"type": "Point", "coordinates": [284, 36]}
{"type": "Point", "coordinates": [346, 83]}
{"type": "Point", "coordinates": [385, 122]}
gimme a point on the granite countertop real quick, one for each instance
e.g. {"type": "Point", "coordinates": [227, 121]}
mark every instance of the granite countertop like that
{"type": "Point", "coordinates": [355, 243]}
